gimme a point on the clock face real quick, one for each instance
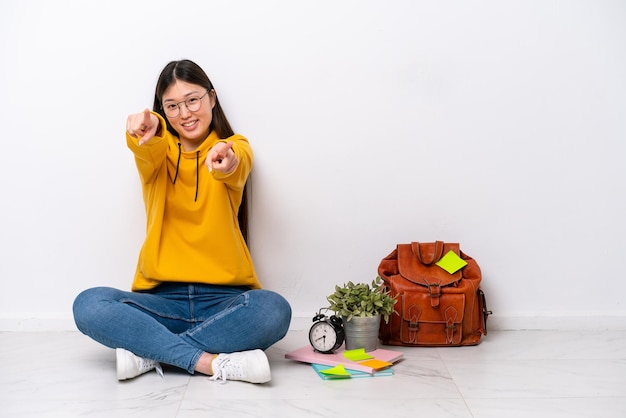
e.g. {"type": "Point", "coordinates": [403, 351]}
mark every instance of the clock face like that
{"type": "Point", "coordinates": [323, 337]}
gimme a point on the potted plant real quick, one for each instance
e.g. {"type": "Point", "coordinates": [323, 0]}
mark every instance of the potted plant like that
{"type": "Point", "coordinates": [361, 307]}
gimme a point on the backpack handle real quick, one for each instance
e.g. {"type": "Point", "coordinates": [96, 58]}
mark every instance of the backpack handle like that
{"type": "Point", "coordinates": [429, 252]}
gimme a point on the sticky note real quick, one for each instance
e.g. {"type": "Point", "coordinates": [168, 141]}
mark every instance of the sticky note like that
{"type": "Point", "coordinates": [356, 354]}
{"type": "Point", "coordinates": [451, 262]}
{"type": "Point", "coordinates": [375, 364]}
{"type": "Point", "coordinates": [338, 371]}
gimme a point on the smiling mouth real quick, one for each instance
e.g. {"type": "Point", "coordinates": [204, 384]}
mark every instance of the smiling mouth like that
{"type": "Point", "coordinates": [189, 124]}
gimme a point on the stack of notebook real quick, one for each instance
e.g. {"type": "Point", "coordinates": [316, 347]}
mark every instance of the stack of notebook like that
{"type": "Point", "coordinates": [348, 363]}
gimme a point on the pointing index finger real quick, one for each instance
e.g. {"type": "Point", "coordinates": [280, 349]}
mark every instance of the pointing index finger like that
{"type": "Point", "coordinates": [216, 156]}
{"type": "Point", "coordinates": [146, 120]}
{"type": "Point", "coordinates": [222, 153]}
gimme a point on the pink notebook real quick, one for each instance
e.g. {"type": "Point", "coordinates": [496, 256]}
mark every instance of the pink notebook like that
{"type": "Point", "coordinates": [306, 354]}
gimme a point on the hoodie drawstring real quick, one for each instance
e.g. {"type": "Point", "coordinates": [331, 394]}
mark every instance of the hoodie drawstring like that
{"type": "Point", "coordinates": [195, 199]}
{"type": "Point", "coordinates": [197, 174]}
{"type": "Point", "coordinates": [177, 164]}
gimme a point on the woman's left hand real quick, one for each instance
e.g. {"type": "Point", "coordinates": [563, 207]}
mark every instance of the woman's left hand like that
{"type": "Point", "coordinates": [222, 158]}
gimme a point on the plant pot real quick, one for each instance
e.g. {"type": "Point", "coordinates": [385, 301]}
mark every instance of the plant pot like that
{"type": "Point", "coordinates": [362, 332]}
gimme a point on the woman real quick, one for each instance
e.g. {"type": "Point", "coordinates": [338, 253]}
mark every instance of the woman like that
{"type": "Point", "coordinates": [196, 302]}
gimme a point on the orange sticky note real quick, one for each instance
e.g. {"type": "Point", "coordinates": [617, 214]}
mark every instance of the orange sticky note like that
{"type": "Point", "coordinates": [376, 364]}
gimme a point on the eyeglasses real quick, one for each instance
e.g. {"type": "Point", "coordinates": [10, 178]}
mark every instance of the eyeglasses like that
{"type": "Point", "coordinates": [193, 104]}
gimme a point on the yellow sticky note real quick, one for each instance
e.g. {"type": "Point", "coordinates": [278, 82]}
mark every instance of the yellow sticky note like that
{"type": "Point", "coordinates": [356, 354]}
{"type": "Point", "coordinates": [337, 371]}
{"type": "Point", "coordinates": [376, 364]}
{"type": "Point", "coordinates": [451, 262]}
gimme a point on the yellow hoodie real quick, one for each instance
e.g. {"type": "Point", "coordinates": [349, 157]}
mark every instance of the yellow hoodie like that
{"type": "Point", "coordinates": [193, 234]}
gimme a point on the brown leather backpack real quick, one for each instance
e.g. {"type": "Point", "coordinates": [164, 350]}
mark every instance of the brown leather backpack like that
{"type": "Point", "coordinates": [435, 307]}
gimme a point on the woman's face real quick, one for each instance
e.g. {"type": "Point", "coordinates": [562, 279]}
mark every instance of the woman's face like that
{"type": "Point", "coordinates": [193, 126]}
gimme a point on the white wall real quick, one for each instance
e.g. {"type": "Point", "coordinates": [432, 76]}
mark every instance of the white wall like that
{"type": "Point", "coordinates": [497, 124]}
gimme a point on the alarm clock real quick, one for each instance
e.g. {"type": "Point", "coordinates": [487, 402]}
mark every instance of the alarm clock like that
{"type": "Point", "coordinates": [326, 334]}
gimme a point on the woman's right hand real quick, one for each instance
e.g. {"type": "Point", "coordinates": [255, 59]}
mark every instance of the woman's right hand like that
{"type": "Point", "coordinates": [142, 125]}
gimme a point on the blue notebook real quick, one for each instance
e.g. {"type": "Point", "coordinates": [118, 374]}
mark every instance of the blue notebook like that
{"type": "Point", "coordinates": [353, 373]}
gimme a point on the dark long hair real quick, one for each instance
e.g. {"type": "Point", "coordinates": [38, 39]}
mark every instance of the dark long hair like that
{"type": "Point", "coordinates": [190, 72]}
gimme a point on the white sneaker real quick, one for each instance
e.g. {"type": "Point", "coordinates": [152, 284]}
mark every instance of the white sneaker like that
{"type": "Point", "coordinates": [249, 366]}
{"type": "Point", "coordinates": [129, 365]}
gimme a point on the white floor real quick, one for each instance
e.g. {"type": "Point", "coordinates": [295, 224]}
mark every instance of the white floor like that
{"type": "Point", "coordinates": [510, 374]}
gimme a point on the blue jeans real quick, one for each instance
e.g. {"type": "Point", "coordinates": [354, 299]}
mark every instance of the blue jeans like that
{"type": "Point", "coordinates": [176, 323]}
